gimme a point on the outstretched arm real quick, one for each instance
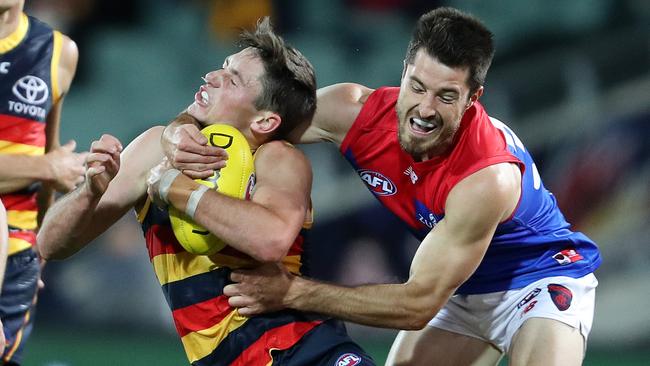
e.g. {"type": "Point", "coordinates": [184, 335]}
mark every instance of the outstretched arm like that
{"type": "Point", "coordinates": [114, 183]}
{"type": "Point", "coordinates": [447, 256]}
{"type": "Point", "coordinates": [338, 106]}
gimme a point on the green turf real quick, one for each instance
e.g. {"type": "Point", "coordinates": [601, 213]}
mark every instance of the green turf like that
{"type": "Point", "coordinates": [74, 347]}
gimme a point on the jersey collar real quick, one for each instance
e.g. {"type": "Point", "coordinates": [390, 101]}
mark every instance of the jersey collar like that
{"type": "Point", "coordinates": [11, 41]}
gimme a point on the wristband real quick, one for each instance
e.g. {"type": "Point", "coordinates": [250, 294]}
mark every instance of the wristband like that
{"type": "Point", "coordinates": [166, 181]}
{"type": "Point", "coordinates": [193, 201]}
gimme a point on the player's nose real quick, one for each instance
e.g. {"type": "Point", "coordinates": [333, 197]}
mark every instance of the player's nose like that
{"type": "Point", "coordinates": [427, 109]}
{"type": "Point", "coordinates": [213, 79]}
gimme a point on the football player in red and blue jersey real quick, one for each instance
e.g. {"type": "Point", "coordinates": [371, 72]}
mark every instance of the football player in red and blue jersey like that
{"type": "Point", "coordinates": [499, 270]}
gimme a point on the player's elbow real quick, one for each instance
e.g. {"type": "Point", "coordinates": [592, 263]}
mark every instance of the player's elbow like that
{"type": "Point", "coordinates": [49, 250]}
{"type": "Point", "coordinates": [417, 317]}
{"type": "Point", "coordinates": [271, 249]}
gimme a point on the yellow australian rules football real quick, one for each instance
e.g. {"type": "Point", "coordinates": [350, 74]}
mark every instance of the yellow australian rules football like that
{"type": "Point", "coordinates": [234, 180]}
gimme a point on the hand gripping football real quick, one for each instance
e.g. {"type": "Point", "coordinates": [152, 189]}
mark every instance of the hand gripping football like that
{"type": "Point", "coordinates": [234, 180]}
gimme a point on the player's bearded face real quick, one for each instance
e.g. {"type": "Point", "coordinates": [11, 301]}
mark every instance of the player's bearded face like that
{"type": "Point", "coordinates": [432, 100]}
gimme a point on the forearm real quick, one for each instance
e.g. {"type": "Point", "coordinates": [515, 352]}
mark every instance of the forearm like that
{"type": "Point", "coordinates": [387, 306]}
{"type": "Point", "coordinates": [24, 168]}
{"type": "Point", "coordinates": [63, 231]}
{"type": "Point", "coordinates": [244, 225]}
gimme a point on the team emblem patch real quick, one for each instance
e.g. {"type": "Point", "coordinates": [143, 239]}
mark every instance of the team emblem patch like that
{"type": "Point", "coordinates": [348, 359]}
{"type": "Point", "coordinates": [560, 295]}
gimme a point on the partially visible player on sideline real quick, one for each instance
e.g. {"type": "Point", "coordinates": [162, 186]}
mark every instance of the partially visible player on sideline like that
{"type": "Point", "coordinates": [498, 269]}
{"type": "Point", "coordinates": [37, 65]}
{"type": "Point", "coordinates": [4, 238]}
{"type": "Point", "coordinates": [264, 91]}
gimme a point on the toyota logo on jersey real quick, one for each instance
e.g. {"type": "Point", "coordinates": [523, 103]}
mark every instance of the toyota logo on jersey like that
{"type": "Point", "coordinates": [31, 89]}
{"type": "Point", "coordinates": [348, 359]}
{"type": "Point", "coordinates": [377, 183]}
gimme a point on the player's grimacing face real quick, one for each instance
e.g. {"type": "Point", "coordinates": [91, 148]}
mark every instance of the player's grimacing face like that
{"type": "Point", "coordinates": [432, 100]}
{"type": "Point", "coordinates": [229, 93]}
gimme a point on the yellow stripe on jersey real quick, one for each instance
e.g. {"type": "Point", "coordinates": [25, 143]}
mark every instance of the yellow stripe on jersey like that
{"type": "Point", "coordinates": [9, 147]}
{"type": "Point", "coordinates": [11, 41]}
{"type": "Point", "coordinates": [176, 267]}
{"type": "Point", "coordinates": [54, 71]}
{"type": "Point", "coordinates": [16, 245]}
{"type": "Point", "coordinates": [142, 214]}
{"type": "Point", "coordinates": [24, 220]}
{"type": "Point", "coordinates": [292, 262]}
{"type": "Point", "coordinates": [201, 343]}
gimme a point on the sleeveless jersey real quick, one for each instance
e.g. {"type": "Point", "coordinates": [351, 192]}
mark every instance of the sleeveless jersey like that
{"type": "Point", "coordinates": [536, 242]}
{"type": "Point", "coordinates": [213, 333]}
{"type": "Point", "coordinates": [29, 60]}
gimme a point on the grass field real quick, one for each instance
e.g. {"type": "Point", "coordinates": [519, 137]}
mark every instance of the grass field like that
{"type": "Point", "coordinates": [73, 347]}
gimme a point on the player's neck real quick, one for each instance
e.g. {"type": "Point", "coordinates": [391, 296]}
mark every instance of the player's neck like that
{"type": "Point", "coordinates": [9, 20]}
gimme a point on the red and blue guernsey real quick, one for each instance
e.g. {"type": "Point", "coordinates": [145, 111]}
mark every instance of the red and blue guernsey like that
{"type": "Point", "coordinates": [536, 242]}
{"type": "Point", "coordinates": [29, 59]}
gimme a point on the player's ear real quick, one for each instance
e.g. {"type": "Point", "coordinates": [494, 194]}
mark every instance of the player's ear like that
{"type": "Point", "coordinates": [474, 97]}
{"type": "Point", "coordinates": [266, 123]}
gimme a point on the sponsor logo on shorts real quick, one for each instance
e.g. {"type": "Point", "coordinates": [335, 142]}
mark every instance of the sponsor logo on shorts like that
{"type": "Point", "coordinates": [567, 256]}
{"type": "Point", "coordinates": [377, 182]}
{"type": "Point", "coordinates": [529, 307]}
{"type": "Point", "coordinates": [348, 359]}
{"type": "Point", "coordinates": [560, 295]}
{"type": "Point", "coordinates": [531, 295]}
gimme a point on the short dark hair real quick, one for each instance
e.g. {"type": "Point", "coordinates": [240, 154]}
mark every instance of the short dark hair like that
{"type": "Point", "coordinates": [289, 83]}
{"type": "Point", "coordinates": [456, 39]}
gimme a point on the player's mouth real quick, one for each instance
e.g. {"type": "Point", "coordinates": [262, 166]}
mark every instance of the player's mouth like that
{"type": "Point", "coordinates": [202, 98]}
{"type": "Point", "coordinates": [421, 126]}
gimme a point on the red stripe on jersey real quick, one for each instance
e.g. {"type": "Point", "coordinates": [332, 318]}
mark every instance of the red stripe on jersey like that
{"type": "Point", "coordinates": [202, 315]}
{"type": "Point", "coordinates": [280, 338]}
{"type": "Point", "coordinates": [19, 201]}
{"type": "Point", "coordinates": [296, 247]}
{"type": "Point", "coordinates": [26, 235]}
{"type": "Point", "coordinates": [22, 130]}
{"type": "Point", "coordinates": [161, 240]}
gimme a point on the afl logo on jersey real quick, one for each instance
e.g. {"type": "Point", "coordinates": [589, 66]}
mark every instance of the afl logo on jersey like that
{"type": "Point", "coordinates": [377, 183]}
{"type": "Point", "coordinates": [31, 89]}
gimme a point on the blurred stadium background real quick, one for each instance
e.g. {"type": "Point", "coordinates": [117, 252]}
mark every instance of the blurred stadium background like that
{"type": "Point", "coordinates": [572, 78]}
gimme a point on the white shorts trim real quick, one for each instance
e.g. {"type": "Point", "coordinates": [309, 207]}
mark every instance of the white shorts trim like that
{"type": "Point", "coordinates": [497, 316]}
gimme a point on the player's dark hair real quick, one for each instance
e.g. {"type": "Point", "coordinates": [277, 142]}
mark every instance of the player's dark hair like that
{"type": "Point", "coordinates": [456, 39]}
{"type": "Point", "coordinates": [289, 84]}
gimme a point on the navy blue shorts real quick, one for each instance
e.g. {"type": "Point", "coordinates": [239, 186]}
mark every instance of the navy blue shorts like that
{"type": "Point", "coordinates": [17, 302]}
{"type": "Point", "coordinates": [326, 345]}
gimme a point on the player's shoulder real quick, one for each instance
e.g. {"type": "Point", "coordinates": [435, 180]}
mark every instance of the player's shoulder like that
{"type": "Point", "coordinates": [69, 53]}
{"type": "Point", "coordinates": [345, 93]}
{"type": "Point", "coordinates": [278, 149]}
{"type": "Point", "coordinates": [277, 153]}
